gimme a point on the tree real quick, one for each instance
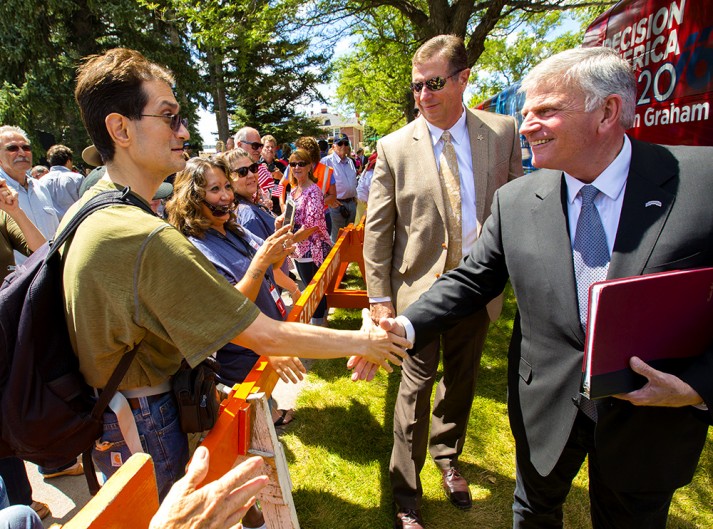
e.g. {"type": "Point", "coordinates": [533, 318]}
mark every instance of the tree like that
{"type": "Point", "coordinates": [257, 70]}
{"type": "Point", "coordinates": [514, 47]}
{"type": "Point", "coordinates": [472, 20]}
{"type": "Point", "coordinates": [43, 43]}
{"type": "Point", "coordinates": [374, 79]}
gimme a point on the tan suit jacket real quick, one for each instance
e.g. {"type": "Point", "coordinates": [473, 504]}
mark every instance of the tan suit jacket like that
{"type": "Point", "coordinates": [406, 238]}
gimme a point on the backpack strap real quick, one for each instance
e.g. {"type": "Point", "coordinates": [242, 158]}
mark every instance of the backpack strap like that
{"type": "Point", "coordinates": [100, 201]}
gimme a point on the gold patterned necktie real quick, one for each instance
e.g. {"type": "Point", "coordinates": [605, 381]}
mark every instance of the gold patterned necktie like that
{"type": "Point", "coordinates": [450, 181]}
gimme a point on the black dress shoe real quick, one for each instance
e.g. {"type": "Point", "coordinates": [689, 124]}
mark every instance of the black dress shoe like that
{"type": "Point", "coordinates": [408, 519]}
{"type": "Point", "coordinates": [456, 488]}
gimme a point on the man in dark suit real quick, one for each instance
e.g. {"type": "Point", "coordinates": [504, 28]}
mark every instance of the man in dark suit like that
{"type": "Point", "coordinates": [419, 225]}
{"type": "Point", "coordinates": [650, 212]}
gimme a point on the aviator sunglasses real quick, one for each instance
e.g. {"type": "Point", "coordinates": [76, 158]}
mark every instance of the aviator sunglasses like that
{"type": "Point", "coordinates": [342, 143]}
{"type": "Point", "coordinates": [176, 120]}
{"type": "Point", "coordinates": [243, 171]}
{"type": "Point", "coordinates": [434, 85]}
{"type": "Point", "coordinates": [16, 148]}
{"type": "Point", "coordinates": [299, 164]}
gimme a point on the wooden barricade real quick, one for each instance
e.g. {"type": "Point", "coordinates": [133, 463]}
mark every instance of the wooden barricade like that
{"type": "Point", "coordinates": [128, 499]}
{"type": "Point", "coordinates": [244, 427]}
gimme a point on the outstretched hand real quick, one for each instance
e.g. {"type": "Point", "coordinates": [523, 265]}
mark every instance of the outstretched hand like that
{"type": "Point", "coordinates": [662, 389]}
{"type": "Point", "coordinates": [221, 503]}
{"type": "Point", "coordinates": [364, 369]}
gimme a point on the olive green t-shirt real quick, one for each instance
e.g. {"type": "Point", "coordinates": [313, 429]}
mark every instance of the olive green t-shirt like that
{"type": "Point", "coordinates": [130, 278]}
{"type": "Point", "coordinates": [11, 238]}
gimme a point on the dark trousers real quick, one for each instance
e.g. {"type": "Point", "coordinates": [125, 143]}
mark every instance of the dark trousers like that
{"type": "Point", "coordinates": [13, 473]}
{"type": "Point", "coordinates": [307, 272]}
{"type": "Point", "coordinates": [538, 499]}
{"type": "Point", "coordinates": [462, 349]}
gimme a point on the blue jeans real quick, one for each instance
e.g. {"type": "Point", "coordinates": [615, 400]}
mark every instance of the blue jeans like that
{"type": "Point", "coordinates": [338, 221]}
{"type": "Point", "coordinates": [17, 516]}
{"type": "Point", "coordinates": [161, 437]}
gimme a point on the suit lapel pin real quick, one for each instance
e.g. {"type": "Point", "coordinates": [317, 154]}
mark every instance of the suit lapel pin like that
{"type": "Point", "coordinates": [480, 137]}
{"type": "Point", "coordinates": [653, 203]}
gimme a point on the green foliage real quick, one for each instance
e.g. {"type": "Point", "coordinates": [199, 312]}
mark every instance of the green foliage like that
{"type": "Point", "coordinates": [374, 79]}
{"type": "Point", "coordinates": [514, 47]}
{"type": "Point", "coordinates": [44, 42]}
{"type": "Point", "coordinates": [256, 70]}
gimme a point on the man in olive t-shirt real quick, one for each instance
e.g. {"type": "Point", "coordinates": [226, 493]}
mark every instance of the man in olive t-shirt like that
{"type": "Point", "coordinates": [131, 280]}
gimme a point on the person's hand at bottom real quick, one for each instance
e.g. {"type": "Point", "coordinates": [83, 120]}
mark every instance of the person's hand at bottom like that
{"type": "Point", "coordinates": [220, 504]}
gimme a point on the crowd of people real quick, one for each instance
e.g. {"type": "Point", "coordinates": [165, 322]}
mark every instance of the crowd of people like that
{"type": "Point", "coordinates": [230, 239]}
{"type": "Point", "coordinates": [450, 221]}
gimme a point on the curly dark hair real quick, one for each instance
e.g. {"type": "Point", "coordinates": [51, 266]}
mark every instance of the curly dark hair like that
{"type": "Point", "coordinates": [184, 209]}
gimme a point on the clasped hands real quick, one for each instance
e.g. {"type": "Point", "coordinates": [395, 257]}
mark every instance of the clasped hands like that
{"type": "Point", "coordinates": [363, 369]}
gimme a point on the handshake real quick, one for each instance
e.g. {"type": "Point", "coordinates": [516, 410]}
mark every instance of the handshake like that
{"type": "Point", "coordinates": [363, 369]}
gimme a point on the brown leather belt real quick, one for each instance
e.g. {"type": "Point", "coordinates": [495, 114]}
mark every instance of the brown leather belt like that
{"type": "Point", "coordinates": [135, 404]}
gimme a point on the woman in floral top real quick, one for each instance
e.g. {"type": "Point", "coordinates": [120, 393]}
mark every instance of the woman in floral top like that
{"type": "Point", "coordinates": [309, 213]}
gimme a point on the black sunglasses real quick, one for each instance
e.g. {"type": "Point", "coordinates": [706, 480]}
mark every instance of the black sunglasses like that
{"type": "Point", "coordinates": [176, 120]}
{"type": "Point", "coordinates": [299, 164]}
{"type": "Point", "coordinates": [434, 85]}
{"type": "Point", "coordinates": [342, 143]}
{"type": "Point", "coordinates": [16, 148]}
{"type": "Point", "coordinates": [256, 145]}
{"type": "Point", "coordinates": [243, 171]}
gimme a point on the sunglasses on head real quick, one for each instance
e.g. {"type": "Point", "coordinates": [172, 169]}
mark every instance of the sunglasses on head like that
{"type": "Point", "coordinates": [15, 148]}
{"type": "Point", "coordinates": [299, 164]}
{"type": "Point", "coordinates": [243, 171]}
{"type": "Point", "coordinates": [256, 145]}
{"type": "Point", "coordinates": [176, 120]}
{"type": "Point", "coordinates": [342, 143]}
{"type": "Point", "coordinates": [434, 85]}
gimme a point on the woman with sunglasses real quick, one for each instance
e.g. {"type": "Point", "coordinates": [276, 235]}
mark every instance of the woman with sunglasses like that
{"type": "Point", "coordinates": [309, 213]}
{"type": "Point", "coordinates": [252, 215]}
{"type": "Point", "coordinates": [202, 208]}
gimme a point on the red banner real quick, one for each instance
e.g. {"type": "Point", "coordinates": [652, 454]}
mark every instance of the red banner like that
{"type": "Point", "coordinates": [670, 45]}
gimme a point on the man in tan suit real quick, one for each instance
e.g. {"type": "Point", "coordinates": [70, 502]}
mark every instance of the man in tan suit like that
{"type": "Point", "coordinates": [431, 192]}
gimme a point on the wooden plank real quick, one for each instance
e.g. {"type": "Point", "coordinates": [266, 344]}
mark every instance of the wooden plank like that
{"type": "Point", "coordinates": [128, 499]}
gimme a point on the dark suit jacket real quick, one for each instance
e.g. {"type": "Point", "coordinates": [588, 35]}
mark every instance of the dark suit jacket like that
{"type": "Point", "coordinates": [526, 239]}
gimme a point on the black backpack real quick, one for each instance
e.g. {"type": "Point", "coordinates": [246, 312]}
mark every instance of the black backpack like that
{"type": "Point", "coordinates": [47, 414]}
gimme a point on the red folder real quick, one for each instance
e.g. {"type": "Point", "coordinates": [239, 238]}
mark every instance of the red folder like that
{"type": "Point", "coordinates": [665, 319]}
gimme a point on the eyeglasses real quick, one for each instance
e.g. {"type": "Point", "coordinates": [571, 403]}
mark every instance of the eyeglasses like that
{"type": "Point", "coordinates": [16, 148]}
{"type": "Point", "coordinates": [299, 164]}
{"type": "Point", "coordinates": [256, 145]}
{"type": "Point", "coordinates": [176, 120]}
{"type": "Point", "coordinates": [434, 85]}
{"type": "Point", "coordinates": [243, 171]}
{"type": "Point", "coordinates": [342, 143]}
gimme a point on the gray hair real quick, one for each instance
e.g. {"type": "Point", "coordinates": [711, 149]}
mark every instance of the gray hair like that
{"type": "Point", "coordinates": [11, 129]}
{"type": "Point", "coordinates": [596, 72]}
{"type": "Point", "coordinates": [242, 134]}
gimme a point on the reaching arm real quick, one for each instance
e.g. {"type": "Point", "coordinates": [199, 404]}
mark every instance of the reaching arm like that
{"type": "Point", "coordinates": [268, 337]}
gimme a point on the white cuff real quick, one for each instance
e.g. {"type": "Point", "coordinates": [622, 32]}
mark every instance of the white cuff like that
{"type": "Point", "coordinates": [410, 331]}
{"type": "Point", "coordinates": [380, 300]}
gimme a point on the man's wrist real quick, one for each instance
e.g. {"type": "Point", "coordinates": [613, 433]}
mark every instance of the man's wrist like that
{"type": "Point", "coordinates": [408, 327]}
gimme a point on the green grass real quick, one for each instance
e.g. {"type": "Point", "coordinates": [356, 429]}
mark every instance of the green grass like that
{"type": "Point", "coordinates": [339, 448]}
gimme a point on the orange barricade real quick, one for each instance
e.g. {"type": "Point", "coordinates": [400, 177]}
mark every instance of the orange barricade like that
{"type": "Point", "coordinates": [244, 426]}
